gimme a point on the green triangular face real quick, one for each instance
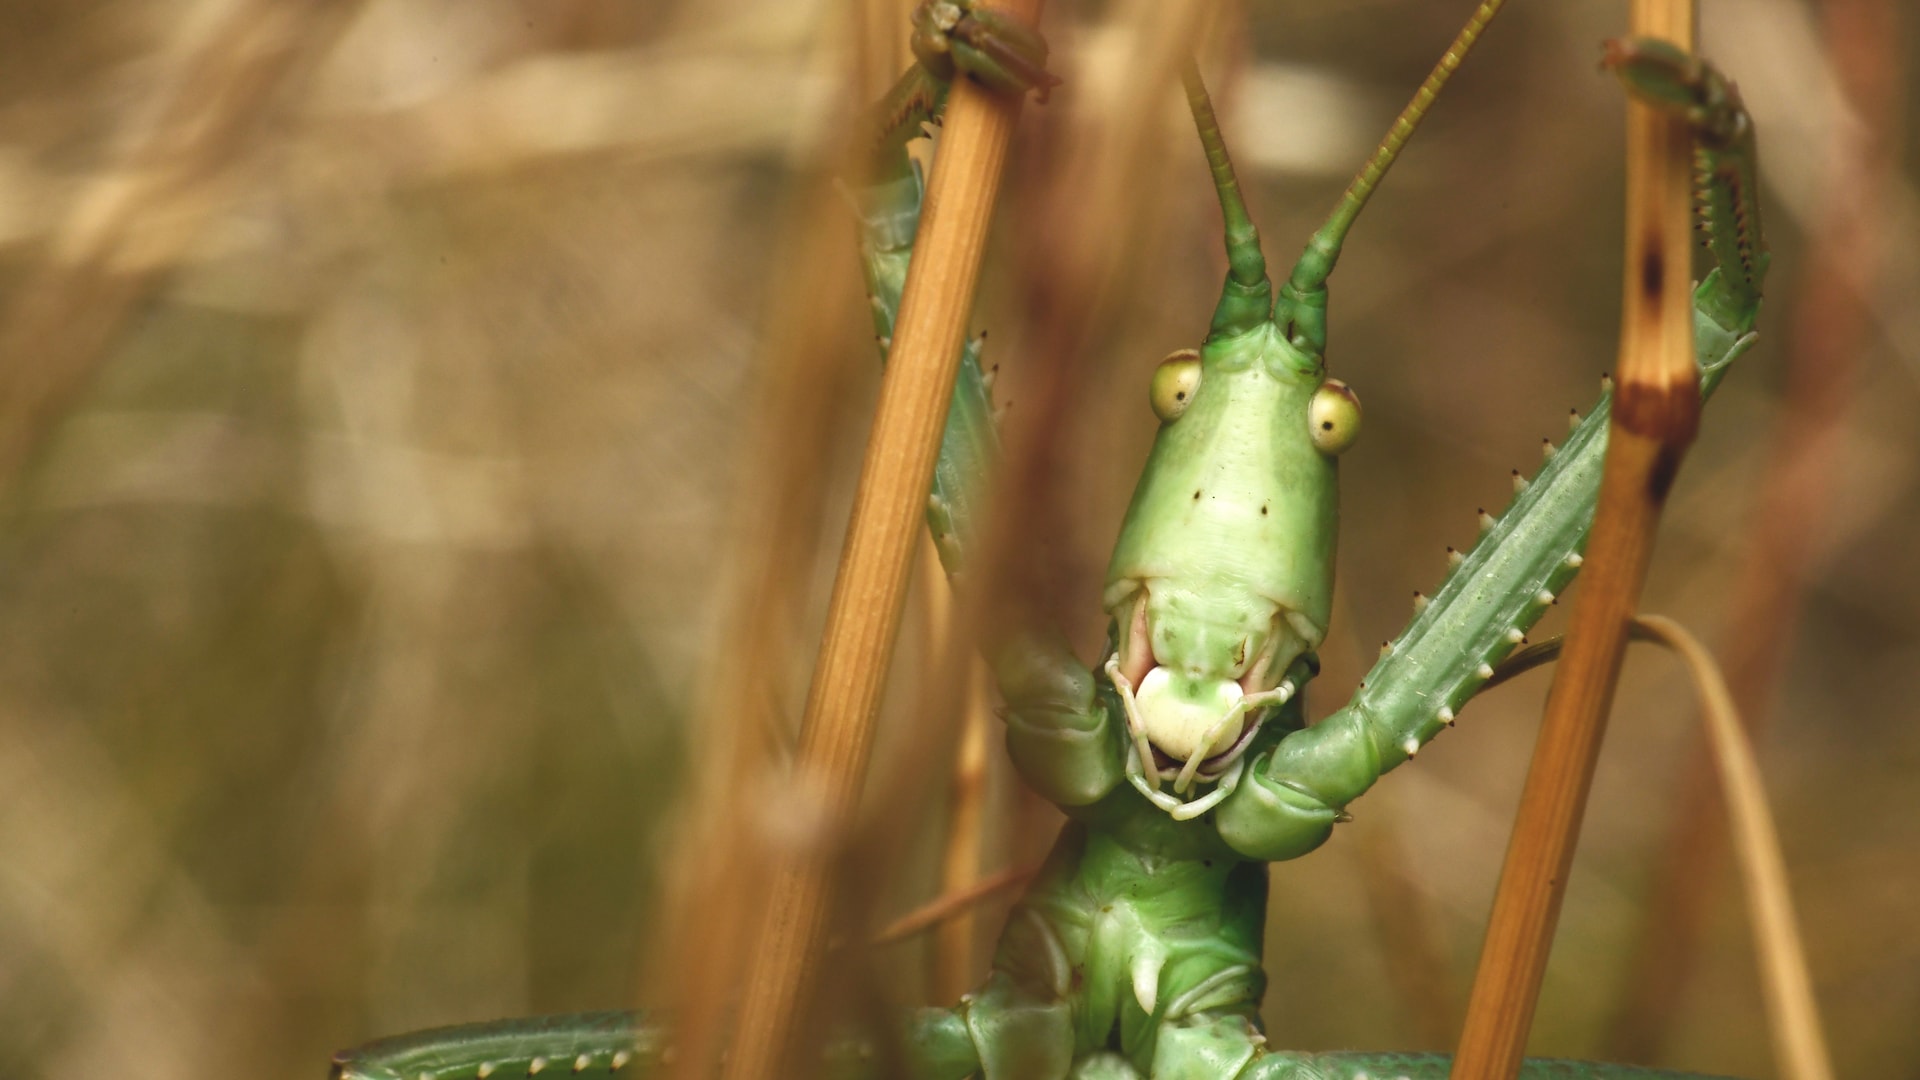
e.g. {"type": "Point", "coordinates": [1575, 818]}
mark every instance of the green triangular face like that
{"type": "Point", "coordinates": [1223, 572]}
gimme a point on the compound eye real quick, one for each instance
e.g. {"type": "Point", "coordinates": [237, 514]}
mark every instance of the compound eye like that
{"type": "Point", "coordinates": [1175, 382]}
{"type": "Point", "coordinates": [1334, 417]}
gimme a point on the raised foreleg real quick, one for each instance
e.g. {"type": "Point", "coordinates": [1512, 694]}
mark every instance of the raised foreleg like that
{"type": "Point", "coordinates": [1292, 796]}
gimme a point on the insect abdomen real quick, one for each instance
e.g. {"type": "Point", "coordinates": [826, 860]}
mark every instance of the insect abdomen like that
{"type": "Point", "coordinates": [584, 1045]}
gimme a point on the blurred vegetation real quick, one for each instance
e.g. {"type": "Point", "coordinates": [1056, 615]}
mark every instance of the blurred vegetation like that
{"type": "Point", "coordinates": [378, 389]}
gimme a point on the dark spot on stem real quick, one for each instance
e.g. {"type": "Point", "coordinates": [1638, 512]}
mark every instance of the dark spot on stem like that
{"type": "Point", "coordinates": [1666, 465]}
{"type": "Point", "coordinates": [1653, 272]}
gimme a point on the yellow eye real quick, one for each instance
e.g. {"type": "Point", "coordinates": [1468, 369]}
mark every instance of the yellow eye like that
{"type": "Point", "coordinates": [1334, 417]}
{"type": "Point", "coordinates": [1175, 382]}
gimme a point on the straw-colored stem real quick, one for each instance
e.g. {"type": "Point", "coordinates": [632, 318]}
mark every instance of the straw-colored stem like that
{"type": "Point", "coordinates": [1793, 1018]}
{"type": "Point", "coordinates": [960, 862]}
{"type": "Point", "coordinates": [135, 219]}
{"type": "Point", "coordinates": [1654, 418]}
{"type": "Point", "coordinates": [1829, 328]}
{"type": "Point", "coordinates": [952, 905]}
{"type": "Point", "coordinates": [700, 948]}
{"type": "Point", "coordinates": [863, 618]}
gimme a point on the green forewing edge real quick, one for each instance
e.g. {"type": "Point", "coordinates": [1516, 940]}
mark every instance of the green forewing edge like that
{"type": "Point", "coordinates": [586, 1045]}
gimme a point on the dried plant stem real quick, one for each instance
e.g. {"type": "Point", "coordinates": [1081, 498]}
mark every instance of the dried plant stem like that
{"type": "Point", "coordinates": [863, 618]}
{"type": "Point", "coordinates": [1799, 1047]}
{"type": "Point", "coordinates": [1655, 414]}
{"type": "Point", "coordinates": [1089, 217]}
{"type": "Point", "coordinates": [952, 905]}
{"type": "Point", "coordinates": [716, 873]}
{"type": "Point", "coordinates": [948, 972]}
{"type": "Point", "coordinates": [133, 221]}
{"type": "Point", "coordinates": [880, 31]}
{"type": "Point", "coordinates": [1829, 327]}
{"type": "Point", "coordinates": [960, 862]}
{"type": "Point", "coordinates": [1793, 1017]}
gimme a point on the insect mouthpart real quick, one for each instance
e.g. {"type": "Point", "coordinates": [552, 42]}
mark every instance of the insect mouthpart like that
{"type": "Point", "coordinates": [1161, 724]}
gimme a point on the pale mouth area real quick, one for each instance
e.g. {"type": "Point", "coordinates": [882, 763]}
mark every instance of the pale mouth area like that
{"type": "Point", "coordinates": [1183, 720]}
{"type": "Point", "coordinates": [1190, 727]}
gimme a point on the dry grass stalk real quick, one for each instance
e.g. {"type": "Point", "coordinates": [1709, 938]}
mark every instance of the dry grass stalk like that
{"type": "Point", "coordinates": [864, 615]}
{"type": "Point", "coordinates": [1792, 1015]}
{"type": "Point", "coordinates": [137, 217]}
{"type": "Point", "coordinates": [1089, 220]}
{"type": "Point", "coordinates": [1793, 1018]}
{"type": "Point", "coordinates": [1655, 414]}
{"type": "Point", "coordinates": [717, 876]}
{"type": "Point", "coordinates": [1830, 326]}
{"type": "Point", "coordinates": [942, 910]}
{"type": "Point", "coordinates": [952, 969]}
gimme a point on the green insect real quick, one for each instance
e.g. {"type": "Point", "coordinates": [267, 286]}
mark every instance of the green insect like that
{"type": "Point", "coordinates": [1182, 759]}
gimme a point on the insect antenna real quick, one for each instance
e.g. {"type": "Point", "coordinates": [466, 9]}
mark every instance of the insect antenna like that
{"type": "Point", "coordinates": [1302, 308]}
{"type": "Point", "coordinates": [1248, 293]}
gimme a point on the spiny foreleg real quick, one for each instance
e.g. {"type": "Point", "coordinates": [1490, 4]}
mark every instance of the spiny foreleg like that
{"type": "Point", "coordinates": [1725, 159]}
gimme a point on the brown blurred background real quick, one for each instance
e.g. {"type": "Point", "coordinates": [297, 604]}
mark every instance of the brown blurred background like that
{"type": "Point", "coordinates": [385, 428]}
